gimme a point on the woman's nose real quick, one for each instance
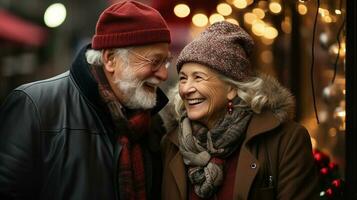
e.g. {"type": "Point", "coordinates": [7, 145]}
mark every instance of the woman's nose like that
{"type": "Point", "coordinates": [187, 88]}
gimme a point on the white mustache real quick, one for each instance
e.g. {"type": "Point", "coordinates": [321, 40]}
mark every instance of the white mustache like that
{"type": "Point", "coordinates": [152, 81]}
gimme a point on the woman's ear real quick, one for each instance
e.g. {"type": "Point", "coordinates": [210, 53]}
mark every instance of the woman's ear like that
{"type": "Point", "coordinates": [232, 92]}
{"type": "Point", "coordinates": [108, 60]}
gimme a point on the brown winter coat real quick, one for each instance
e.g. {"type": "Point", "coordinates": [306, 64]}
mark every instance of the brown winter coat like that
{"type": "Point", "coordinates": [274, 146]}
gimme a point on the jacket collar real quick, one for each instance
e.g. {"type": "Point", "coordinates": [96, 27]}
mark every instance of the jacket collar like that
{"type": "Point", "coordinates": [261, 123]}
{"type": "Point", "coordinates": [80, 71]}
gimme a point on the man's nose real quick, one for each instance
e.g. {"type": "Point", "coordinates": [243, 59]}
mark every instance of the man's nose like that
{"type": "Point", "coordinates": [161, 73]}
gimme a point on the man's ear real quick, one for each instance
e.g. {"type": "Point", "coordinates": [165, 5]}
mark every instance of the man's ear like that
{"type": "Point", "coordinates": [108, 60]}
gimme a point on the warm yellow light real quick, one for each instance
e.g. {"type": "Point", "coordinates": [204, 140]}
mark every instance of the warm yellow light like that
{"type": "Point", "coordinates": [182, 10]}
{"type": "Point", "coordinates": [313, 142]}
{"type": "Point", "coordinates": [327, 19]}
{"type": "Point", "coordinates": [302, 9]}
{"type": "Point", "coordinates": [249, 18]}
{"type": "Point", "coordinates": [275, 7]}
{"type": "Point", "coordinates": [334, 49]}
{"type": "Point", "coordinates": [286, 25]}
{"type": "Point", "coordinates": [241, 4]}
{"type": "Point", "coordinates": [224, 9]}
{"type": "Point", "coordinates": [259, 13]}
{"type": "Point", "coordinates": [341, 113]}
{"type": "Point", "coordinates": [343, 49]}
{"type": "Point", "coordinates": [200, 20]}
{"type": "Point", "coordinates": [266, 41]}
{"type": "Point", "coordinates": [267, 56]}
{"type": "Point", "coordinates": [270, 32]}
{"type": "Point", "coordinates": [338, 12]}
{"type": "Point", "coordinates": [323, 12]}
{"type": "Point", "coordinates": [332, 132]}
{"type": "Point", "coordinates": [258, 27]}
{"type": "Point", "coordinates": [215, 18]}
{"type": "Point", "coordinates": [55, 15]}
{"type": "Point", "coordinates": [233, 21]}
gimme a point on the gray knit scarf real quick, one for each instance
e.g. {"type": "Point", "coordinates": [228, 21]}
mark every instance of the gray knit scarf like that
{"type": "Point", "coordinates": [204, 151]}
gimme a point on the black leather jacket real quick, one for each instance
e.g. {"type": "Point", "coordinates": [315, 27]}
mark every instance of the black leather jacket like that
{"type": "Point", "coordinates": [57, 141]}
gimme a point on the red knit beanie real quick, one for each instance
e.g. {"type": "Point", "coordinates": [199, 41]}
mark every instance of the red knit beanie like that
{"type": "Point", "coordinates": [129, 23]}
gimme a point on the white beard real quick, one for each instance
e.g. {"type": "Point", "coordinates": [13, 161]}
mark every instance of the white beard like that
{"type": "Point", "coordinates": [136, 97]}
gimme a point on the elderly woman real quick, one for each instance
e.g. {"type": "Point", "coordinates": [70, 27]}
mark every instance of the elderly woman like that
{"type": "Point", "coordinates": [234, 137]}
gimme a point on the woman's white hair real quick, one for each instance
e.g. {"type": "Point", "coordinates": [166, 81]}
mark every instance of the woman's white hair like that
{"type": "Point", "coordinates": [94, 57]}
{"type": "Point", "coordinates": [250, 92]}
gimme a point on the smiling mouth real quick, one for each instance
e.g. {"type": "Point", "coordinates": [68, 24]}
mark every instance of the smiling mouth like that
{"type": "Point", "coordinates": [194, 101]}
{"type": "Point", "coordinates": [149, 87]}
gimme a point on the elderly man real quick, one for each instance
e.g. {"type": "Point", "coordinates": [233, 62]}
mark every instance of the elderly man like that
{"type": "Point", "coordinates": [86, 134]}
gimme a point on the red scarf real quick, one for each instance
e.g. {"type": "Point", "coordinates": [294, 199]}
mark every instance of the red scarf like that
{"type": "Point", "coordinates": [131, 173]}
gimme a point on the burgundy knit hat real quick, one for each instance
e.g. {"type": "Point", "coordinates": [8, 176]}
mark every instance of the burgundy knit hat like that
{"type": "Point", "coordinates": [129, 23]}
{"type": "Point", "coordinates": [224, 47]}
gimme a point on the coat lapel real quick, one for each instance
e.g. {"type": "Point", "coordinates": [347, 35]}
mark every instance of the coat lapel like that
{"type": "Point", "coordinates": [177, 168]}
{"type": "Point", "coordinates": [248, 165]}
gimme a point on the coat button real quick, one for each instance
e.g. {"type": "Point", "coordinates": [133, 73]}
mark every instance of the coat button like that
{"type": "Point", "coordinates": [253, 165]}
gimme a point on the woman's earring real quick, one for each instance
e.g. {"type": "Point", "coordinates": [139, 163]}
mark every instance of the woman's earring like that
{"type": "Point", "coordinates": [230, 107]}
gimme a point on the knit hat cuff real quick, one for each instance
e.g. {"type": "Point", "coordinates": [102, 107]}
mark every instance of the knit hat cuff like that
{"type": "Point", "coordinates": [131, 38]}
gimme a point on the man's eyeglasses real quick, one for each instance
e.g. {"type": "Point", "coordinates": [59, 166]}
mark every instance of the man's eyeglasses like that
{"type": "Point", "coordinates": [156, 63]}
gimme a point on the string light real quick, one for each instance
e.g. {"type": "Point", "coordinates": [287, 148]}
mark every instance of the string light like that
{"type": "Point", "coordinates": [275, 7]}
{"type": "Point", "coordinates": [302, 9]}
{"type": "Point", "coordinates": [233, 21]}
{"type": "Point", "coordinates": [224, 9]}
{"type": "Point", "coordinates": [258, 27]}
{"type": "Point", "coordinates": [270, 32]}
{"type": "Point", "coordinates": [215, 18]}
{"type": "Point", "coordinates": [240, 4]}
{"type": "Point", "coordinates": [259, 13]}
{"type": "Point", "coordinates": [200, 20]}
{"type": "Point", "coordinates": [249, 18]}
{"type": "Point", "coordinates": [55, 15]}
{"type": "Point", "coordinates": [323, 12]}
{"type": "Point", "coordinates": [182, 10]}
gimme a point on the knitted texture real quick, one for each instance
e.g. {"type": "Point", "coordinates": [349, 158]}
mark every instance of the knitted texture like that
{"type": "Point", "coordinates": [224, 47]}
{"type": "Point", "coordinates": [204, 151]}
{"type": "Point", "coordinates": [129, 23]}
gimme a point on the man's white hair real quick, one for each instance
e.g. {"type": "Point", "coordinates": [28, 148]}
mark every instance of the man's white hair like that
{"type": "Point", "coordinates": [94, 57]}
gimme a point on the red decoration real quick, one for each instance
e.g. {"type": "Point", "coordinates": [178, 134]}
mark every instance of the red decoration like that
{"type": "Point", "coordinates": [324, 171]}
{"type": "Point", "coordinates": [332, 165]}
{"type": "Point", "coordinates": [336, 183]}
{"type": "Point", "coordinates": [329, 192]}
{"type": "Point", "coordinates": [331, 184]}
